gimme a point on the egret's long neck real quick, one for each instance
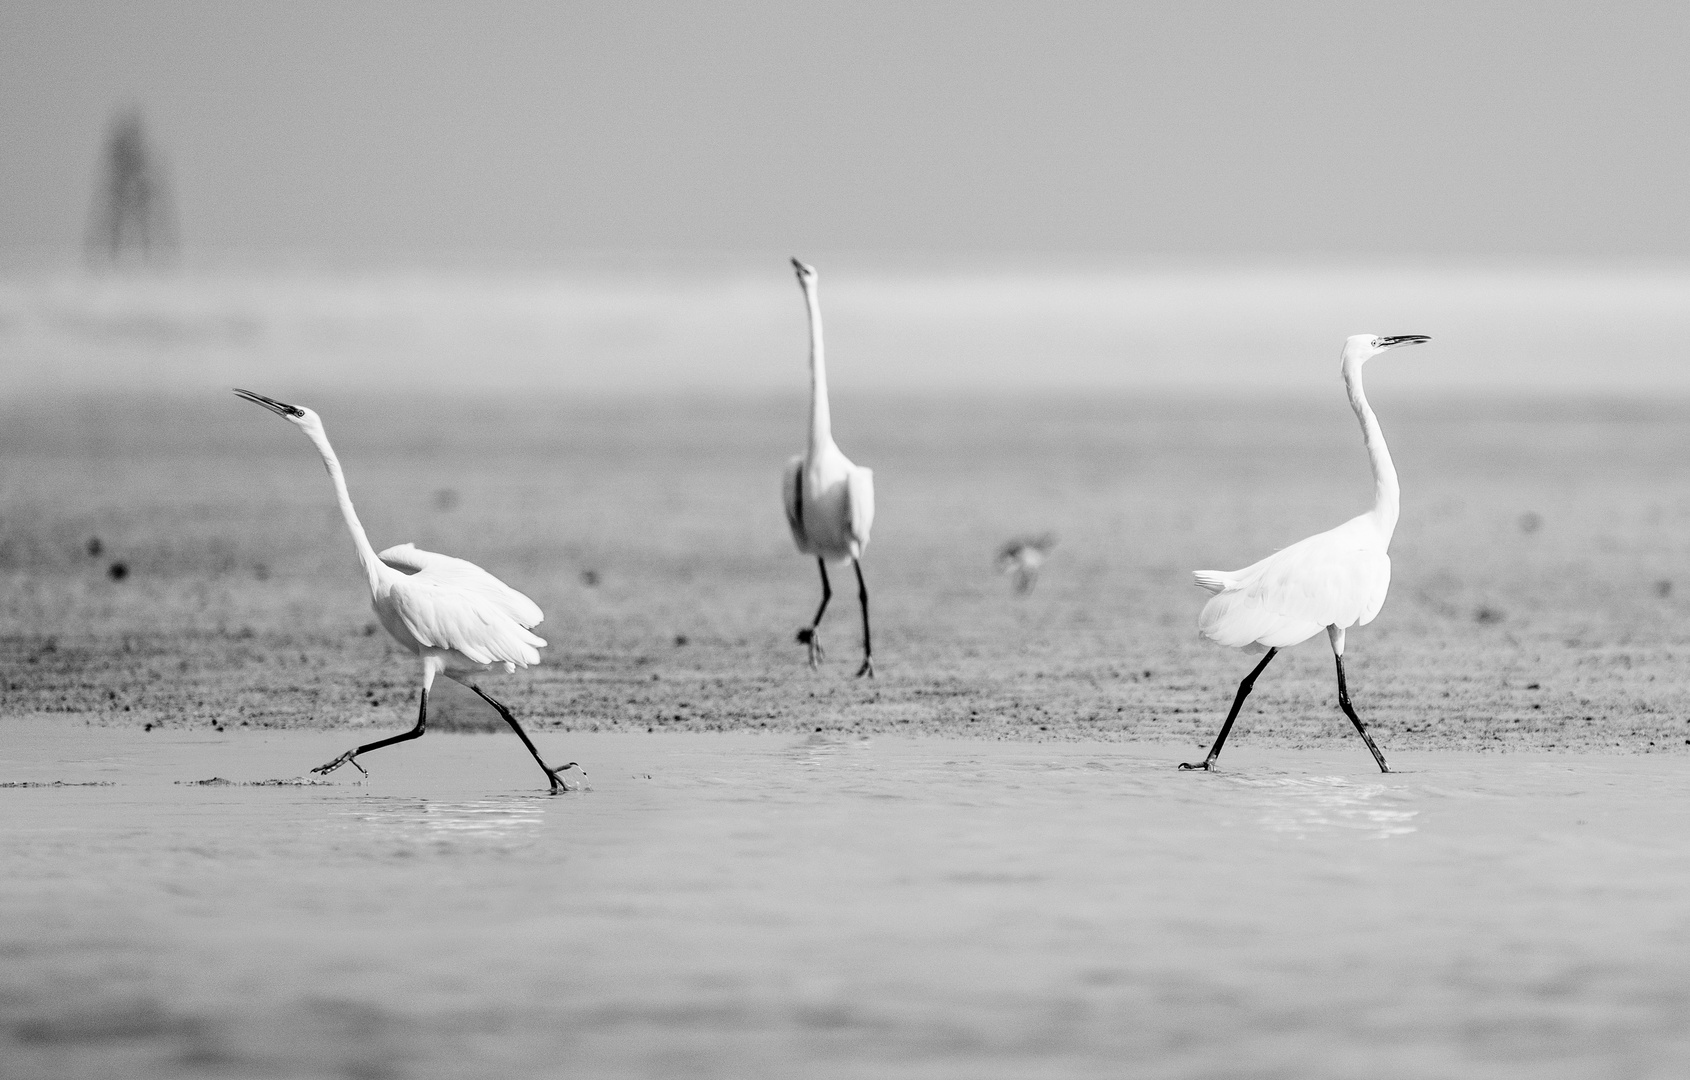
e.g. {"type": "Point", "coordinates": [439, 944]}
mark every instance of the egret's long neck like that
{"type": "Point", "coordinates": [1387, 496]}
{"type": "Point", "coordinates": [821, 421]}
{"type": "Point", "coordinates": [360, 541]}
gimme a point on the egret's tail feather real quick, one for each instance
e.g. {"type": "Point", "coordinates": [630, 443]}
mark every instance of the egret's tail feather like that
{"type": "Point", "coordinates": [1213, 580]}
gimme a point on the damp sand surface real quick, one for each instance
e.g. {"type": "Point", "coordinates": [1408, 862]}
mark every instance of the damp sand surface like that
{"type": "Point", "coordinates": [180, 903]}
{"type": "Point", "coordinates": [181, 561]}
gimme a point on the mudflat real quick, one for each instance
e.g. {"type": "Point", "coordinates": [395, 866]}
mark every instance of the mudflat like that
{"type": "Point", "coordinates": [180, 562]}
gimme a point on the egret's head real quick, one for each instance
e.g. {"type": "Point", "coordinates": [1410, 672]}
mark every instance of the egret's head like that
{"type": "Point", "coordinates": [304, 419]}
{"type": "Point", "coordinates": [1359, 347]}
{"type": "Point", "coordinates": [806, 272]}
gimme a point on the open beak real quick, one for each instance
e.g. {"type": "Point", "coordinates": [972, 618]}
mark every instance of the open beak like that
{"type": "Point", "coordinates": [272, 404]}
{"type": "Point", "coordinates": [1402, 339]}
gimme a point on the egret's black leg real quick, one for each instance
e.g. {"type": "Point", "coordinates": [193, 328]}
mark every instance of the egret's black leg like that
{"type": "Point", "coordinates": [808, 635]}
{"type": "Point", "coordinates": [1349, 711]}
{"type": "Point", "coordinates": [551, 773]}
{"type": "Point", "coordinates": [350, 757]}
{"type": "Point", "coordinates": [1244, 689]}
{"type": "Point", "coordinates": [868, 645]}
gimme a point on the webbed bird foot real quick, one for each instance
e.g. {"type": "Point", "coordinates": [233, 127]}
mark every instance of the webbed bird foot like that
{"type": "Point", "coordinates": [807, 636]}
{"type": "Point", "coordinates": [557, 781]}
{"type": "Point", "coordinates": [867, 668]}
{"type": "Point", "coordinates": [348, 758]}
{"type": "Point", "coordinates": [1204, 766]}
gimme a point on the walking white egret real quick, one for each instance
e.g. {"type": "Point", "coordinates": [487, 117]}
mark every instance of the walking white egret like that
{"type": "Point", "coordinates": [829, 501]}
{"type": "Point", "coordinates": [1332, 580]}
{"type": "Point", "coordinates": [456, 617]}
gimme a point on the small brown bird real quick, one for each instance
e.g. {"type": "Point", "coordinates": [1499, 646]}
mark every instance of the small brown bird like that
{"type": "Point", "coordinates": [1023, 556]}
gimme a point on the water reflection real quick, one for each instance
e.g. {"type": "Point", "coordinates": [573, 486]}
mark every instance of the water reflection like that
{"type": "Point", "coordinates": [1299, 806]}
{"type": "Point", "coordinates": [500, 818]}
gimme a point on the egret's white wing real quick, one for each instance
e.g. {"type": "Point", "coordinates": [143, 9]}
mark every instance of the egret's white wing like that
{"type": "Point", "coordinates": [1239, 621]}
{"type": "Point", "coordinates": [466, 576]}
{"type": "Point", "coordinates": [442, 614]}
{"type": "Point", "coordinates": [1335, 578]}
{"type": "Point", "coordinates": [859, 504]}
{"type": "Point", "coordinates": [792, 491]}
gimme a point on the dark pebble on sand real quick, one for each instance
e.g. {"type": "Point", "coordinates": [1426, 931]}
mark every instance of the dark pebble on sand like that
{"type": "Point", "coordinates": [117, 571]}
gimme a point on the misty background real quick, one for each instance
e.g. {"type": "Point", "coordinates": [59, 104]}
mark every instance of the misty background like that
{"type": "Point", "coordinates": [999, 196]}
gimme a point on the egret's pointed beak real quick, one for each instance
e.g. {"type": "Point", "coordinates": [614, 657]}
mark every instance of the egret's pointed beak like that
{"type": "Point", "coordinates": [272, 404]}
{"type": "Point", "coordinates": [1402, 339]}
{"type": "Point", "coordinates": [802, 268]}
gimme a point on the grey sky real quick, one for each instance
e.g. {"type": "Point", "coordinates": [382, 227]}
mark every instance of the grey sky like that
{"type": "Point", "coordinates": [379, 130]}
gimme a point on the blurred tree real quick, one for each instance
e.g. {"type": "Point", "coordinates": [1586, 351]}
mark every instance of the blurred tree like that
{"type": "Point", "coordinates": [132, 219]}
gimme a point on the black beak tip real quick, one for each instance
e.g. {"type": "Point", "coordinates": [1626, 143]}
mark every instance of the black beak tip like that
{"type": "Point", "coordinates": [278, 407]}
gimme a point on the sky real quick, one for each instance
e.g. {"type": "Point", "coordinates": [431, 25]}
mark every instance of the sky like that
{"type": "Point", "coordinates": [380, 132]}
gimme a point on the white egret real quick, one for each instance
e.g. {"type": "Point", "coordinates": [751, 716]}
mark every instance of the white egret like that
{"type": "Point", "coordinates": [1023, 556]}
{"type": "Point", "coordinates": [456, 617]}
{"type": "Point", "coordinates": [829, 501]}
{"type": "Point", "coordinates": [1332, 580]}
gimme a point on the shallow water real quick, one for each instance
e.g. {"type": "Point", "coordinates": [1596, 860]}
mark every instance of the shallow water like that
{"type": "Point", "coordinates": [743, 905]}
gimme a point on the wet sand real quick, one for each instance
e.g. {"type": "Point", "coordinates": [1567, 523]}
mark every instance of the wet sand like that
{"type": "Point", "coordinates": [1540, 596]}
{"type": "Point", "coordinates": [777, 905]}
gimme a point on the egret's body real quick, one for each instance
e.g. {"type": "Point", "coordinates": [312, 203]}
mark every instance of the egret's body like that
{"type": "Point", "coordinates": [457, 618]}
{"type": "Point", "coordinates": [1331, 581]}
{"type": "Point", "coordinates": [829, 502]}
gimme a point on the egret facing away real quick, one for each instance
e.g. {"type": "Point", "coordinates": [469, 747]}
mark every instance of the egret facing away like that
{"type": "Point", "coordinates": [829, 501]}
{"type": "Point", "coordinates": [1332, 580]}
{"type": "Point", "coordinates": [455, 616]}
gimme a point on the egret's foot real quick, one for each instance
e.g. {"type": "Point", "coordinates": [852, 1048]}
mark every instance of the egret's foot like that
{"type": "Point", "coordinates": [867, 668]}
{"type": "Point", "coordinates": [808, 636]}
{"type": "Point", "coordinates": [557, 781]}
{"type": "Point", "coordinates": [1202, 766]}
{"type": "Point", "coordinates": [348, 758]}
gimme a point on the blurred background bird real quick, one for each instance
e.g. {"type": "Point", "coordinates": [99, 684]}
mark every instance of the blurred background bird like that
{"type": "Point", "coordinates": [1023, 556]}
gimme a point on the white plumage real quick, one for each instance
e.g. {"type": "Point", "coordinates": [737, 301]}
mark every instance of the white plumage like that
{"type": "Point", "coordinates": [829, 502]}
{"type": "Point", "coordinates": [1331, 581]}
{"type": "Point", "coordinates": [453, 615]}
{"type": "Point", "coordinates": [445, 603]}
{"type": "Point", "coordinates": [1335, 578]}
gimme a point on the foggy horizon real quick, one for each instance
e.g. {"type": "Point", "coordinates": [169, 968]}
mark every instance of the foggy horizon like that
{"type": "Point", "coordinates": [382, 133]}
{"type": "Point", "coordinates": [998, 196]}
